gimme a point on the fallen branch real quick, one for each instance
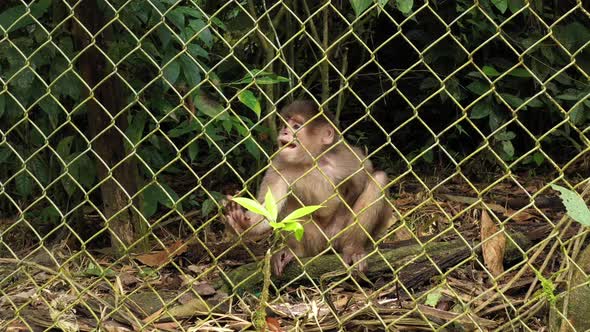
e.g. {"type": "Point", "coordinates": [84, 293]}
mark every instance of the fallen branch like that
{"type": "Point", "coordinates": [413, 264]}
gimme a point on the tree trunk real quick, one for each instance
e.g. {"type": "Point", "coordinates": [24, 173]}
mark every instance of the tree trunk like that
{"type": "Point", "coordinates": [118, 179]}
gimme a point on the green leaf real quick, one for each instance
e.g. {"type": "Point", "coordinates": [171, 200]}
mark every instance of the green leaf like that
{"type": "Point", "coordinates": [478, 87]}
{"type": "Point", "coordinates": [536, 103]}
{"type": "Point", "coordinates": [50, 107]}
{"type": "Point", "coordinates": [165, 200]}
{"type": "Point", "coordinates": [193, 150]}
{"type": "Point", "coordinates": [567, 96]}
{"type": "Point", "coordinates": [24, 184]}
{"type": "Point", "coordinates": [502, 5]}
{"type": "Point", "coordinates": [519, 72]}
{"type": "Point", "coordinates": [39, 169]}
{"type": "Point", "coordinates": [262, 77]}
{"type": "Point", "coordinates": [190, 11]}
{"type": "Point", "coordinates": [248, 98]}
{"type": "Point", "coordinates": [157, 193]}
{"type": "Point", "coordinates": [227, 125]}
{"type": "Point", "coordinates": [301, 212]}
{"type": "Point", "coordinates": [135, 129]}
{"type": "Point", "coordinates": [574, 205]}
{"type": "Point", "coordinates": [219, 23]}
{"type": "Point", "coordinates": [508, 148]}
{"type": "Point", "coordinates": [83, 170]}
{"type": "Point", "coordinates": [252, 148]}
{"type": "Point", "coordinates": [64, 147]}
{"type": "Point", "coordinates": [359, 6]}
{"type": "Point", "coordinates": [294, 226]}
{"type": "Point", "coordinates": [433, 298]}
{"type": "Point", "coordinates": [176, 16]}
{"type": "Point", "coordinates": [428, 156]}
{"type": "Point", "coordinates": [197, 51]}
{"type": "Point", "coordinates": [98, 271]}
{"type": "Point", "coordinates": [480, 111]}
{"type": "Point", "coordinates": [495, 119]}
{"type": "Point", "coordinates": [164, 35]}
{"type": "Point", "coordinates": [253, 206]}
{"type": "Point", "coordinates": [204, 34]}
{"type": "Point", "coordinates": [538, 158]}
{"type": "Point", "coordinates": [209, 106]}
{"type": "Point", "coordinates": [172, 71]}
{"type": "Point", "coordinates": [512, 100]}
{"type": "Point", "coordinates": [271, 205]}
{"type": "Point", "coordinates": [505, 136]}
{"type": "Point", "coordinates": [190, 71]}
{"type": "Point", "coordinates": [5, 153]}
{"type": "Point", "coordinates": [184, 128]}
{"type": "Point", "coordinates": [490, 71]}
{"type": "Point", "coordinates": [578, 115]}
{"type": "Point", "coordinates": [276, 225]}
{"type": "Point", "coordinates": [2, 104]}
{"type": "Point", "coordinates": [151, 195]}
{"type": "Point", "coordinates": [515, 5]}
{"type": "Point", "coordinates": [405, 6]}
{"type": "Point", "coordinates": [382, 3]}
{"type": "Point", "coordinates": [207, 207]}
{"type": "Point", "coordinates": [12, 14]}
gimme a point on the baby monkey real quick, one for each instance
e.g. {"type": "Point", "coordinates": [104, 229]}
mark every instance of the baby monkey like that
{"type": "Point", "coordinates": [315, 166]}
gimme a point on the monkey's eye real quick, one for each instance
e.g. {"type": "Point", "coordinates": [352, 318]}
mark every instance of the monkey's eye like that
{"type": "Point", "coordinates": [296, 126]}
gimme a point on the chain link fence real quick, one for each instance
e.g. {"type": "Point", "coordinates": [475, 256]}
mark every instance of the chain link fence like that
{"type": "Point", "coordinates": [124, 125]}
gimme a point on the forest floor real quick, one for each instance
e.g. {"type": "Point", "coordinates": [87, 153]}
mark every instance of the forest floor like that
{"type": "Point", "coordinates": [432, 272]}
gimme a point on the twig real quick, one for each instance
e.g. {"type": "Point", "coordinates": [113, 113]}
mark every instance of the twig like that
{"type": "Point", "coordinates": [343, 82]}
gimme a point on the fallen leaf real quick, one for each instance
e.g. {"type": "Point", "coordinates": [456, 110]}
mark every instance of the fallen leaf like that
{"type": "Point", "coordinates": [520, 216]}
{"type": "Point", "coordinates": [113, 326]}
{"type": "Point", "coordinates": [160, 258]}
{"type": "Point", "coordinates": [128, 279]}
{"type": "Point", "coordinates": [493, 245]}
{"type": "Point", "coordinates": [171, 326]}
{"type": "Point", "coordinates": [204, 289]}
{"type": "Point", "coordinates": [273, 324]}
{"type": "Point", "coordinates": [341, 301]}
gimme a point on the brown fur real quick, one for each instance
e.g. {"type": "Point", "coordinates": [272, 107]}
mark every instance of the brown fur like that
{"type": "Point", "coordinates": [328, 172]}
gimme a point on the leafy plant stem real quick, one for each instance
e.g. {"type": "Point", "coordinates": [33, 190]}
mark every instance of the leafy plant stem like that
{"type": "Point", "coordinates": [259, 317]}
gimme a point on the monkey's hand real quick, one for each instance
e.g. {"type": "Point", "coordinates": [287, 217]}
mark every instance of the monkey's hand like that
{"type": "Point", "coordinates": [235, 215]}
{"type": "Point", "coordinates": [355, 255]}
{"type": "Point", "coordinates": [280, 260]}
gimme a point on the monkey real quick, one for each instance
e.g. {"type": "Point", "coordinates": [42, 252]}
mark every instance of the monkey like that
{"type": "Point", "coordinates": [314, 165]}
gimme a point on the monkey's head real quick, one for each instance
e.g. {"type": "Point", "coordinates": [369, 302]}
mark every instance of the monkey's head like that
{"type": "Point", "coordinates": [304, 133]}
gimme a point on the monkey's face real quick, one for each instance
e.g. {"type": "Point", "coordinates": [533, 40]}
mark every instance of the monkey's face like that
{"type": "Point", "coordinates": [300, 142]}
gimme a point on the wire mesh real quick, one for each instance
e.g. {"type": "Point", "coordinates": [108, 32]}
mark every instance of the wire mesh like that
{"type": "Point", "coordinates": [125, 124]}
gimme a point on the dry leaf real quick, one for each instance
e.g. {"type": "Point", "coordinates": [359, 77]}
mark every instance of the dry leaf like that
{"type": "Point", "coordinates": [171, 326]}
{"type": "Point", "coordinates": [159, 258]}
{"type": "Point", "coordinates": [128, 279]}
{"type": "Point", "coordinates": [273, 324]}
{"type": "Point", "coordinates": [493, 245]}
{"type": "Point", "coordinates": [520, 216]}
{"type": "Point", "coordinates": [204, 289]}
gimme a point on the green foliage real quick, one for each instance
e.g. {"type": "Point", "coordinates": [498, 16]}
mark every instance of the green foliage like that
{"type": "Point", "coordinates": [433, 298]}
{"type": "Point", "coordinates": [548, 288]}
{"type": "Point", "coordinates": [574, 204]}
{"type": "Point", "coordinates": [290, 223]}
{"type": "Point", "coordinates": [359, 6]}
{"type": "Point", "coordinates": [249, 99]}
{"type": "Point", "coordinates": [193, 87]}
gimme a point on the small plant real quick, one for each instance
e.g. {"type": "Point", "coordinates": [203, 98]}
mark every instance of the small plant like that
{"type": "Point", "coordinates": [291, 223]}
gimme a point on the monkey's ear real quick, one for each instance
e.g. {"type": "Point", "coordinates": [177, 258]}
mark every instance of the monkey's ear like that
{"type": "Point", "coordinates": [328, 135]}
